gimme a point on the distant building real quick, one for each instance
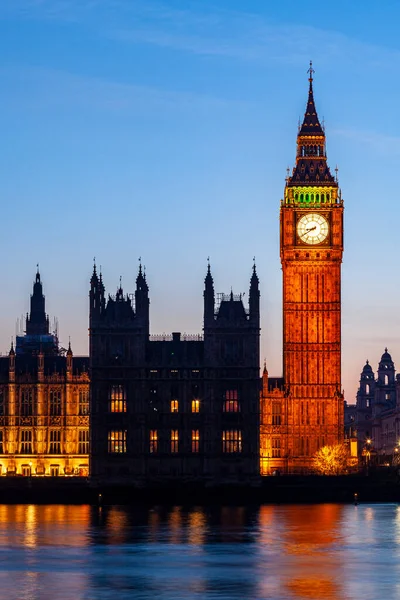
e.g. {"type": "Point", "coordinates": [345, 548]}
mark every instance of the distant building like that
{"type": "Point", "coordinates": [182, 408]}
{"type": "Point", "coordinates": [44, 402]}
{"type": "Point", "coordinates": [375, 418]}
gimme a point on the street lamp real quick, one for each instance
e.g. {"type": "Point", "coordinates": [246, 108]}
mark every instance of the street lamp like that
{"type": "Point", "coordinates": [367, 453]}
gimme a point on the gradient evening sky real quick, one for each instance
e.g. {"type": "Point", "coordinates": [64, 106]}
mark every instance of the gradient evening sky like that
{"type": "Point", "coordinates": [163, 130]}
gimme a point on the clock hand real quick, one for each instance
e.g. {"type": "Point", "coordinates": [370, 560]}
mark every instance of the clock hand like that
{"type": "Point", "coordinates": [308, 230]}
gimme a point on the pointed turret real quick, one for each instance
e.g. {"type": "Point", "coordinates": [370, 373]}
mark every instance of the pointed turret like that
{"type": "Point", "coordinates": [119, 297]}
{"type": "Point", "coordinates": [101, 292]}
{"type": "Point", "coordinates": [95, 295]}
{"type": "Point", "coordinates": [265, 383]}
{"type": "Point", "coordinates": [142, 301]}
{"type": "Point", "coordinates": [37, 323]}
{"type": "Point", "coordinates": [69, 360]}
{"type": "Point", "coordinates": [11, 363]}
{"type": "Point", "coordinates": [209, 297]}
{"type": "Point", "coordinates": [254, 296]}
{"type": "Point", "coordinates": [94, 280]}
{"type": "Point", "coordinates": [311, 165]}
{"type": "Point", "coordinates": [141, 283]}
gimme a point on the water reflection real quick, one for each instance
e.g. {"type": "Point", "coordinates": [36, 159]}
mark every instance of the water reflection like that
{"type": "Point", "coordinates": [301, 543]}
{"type": "Point", "coordinates": [280, 552]}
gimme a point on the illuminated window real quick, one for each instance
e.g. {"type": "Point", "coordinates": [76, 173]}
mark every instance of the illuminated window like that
{"type": "Point", "coordinates": [153, 441]}
{"type": "Point", "coordinates": [117, 399]}
{"type": "Point", "coordinates": [27, 403]}
{"type": "Point", "coordinates": [83, 444]}
{"type": "Point", "coordinates": [195, 406]}
{"type": "Point", "coordinates": [55, 403]}
{"type": "Point", "coordinates": [55, 441]}
{"type": "Point", "coordinates": [117, 441]}
{"type": "Point", "coordinates": [276, 413]}
{"type": "Point", "coordinates": [195, 440]}
{"type": "Point", "coordinates": [26, 441]}
{"type": "Point", "coordinates": [276, 448]}
{"type": "Point", "coordinates": [174, 440]}
{"type": "Point", "coordinates": [83, 402]}
{"type": "Point", "coordinates": [1, 443]}
{"type": "Point", "coordinates": [231, 403]}
{"type": "Point", "coordinates": [232, 440]}
{"type": "Point", "coordinates": [174, 406]}
{"type": "Point", "coordinates": [367, 388]}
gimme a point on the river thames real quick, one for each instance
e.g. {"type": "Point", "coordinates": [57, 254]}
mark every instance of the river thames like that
{"type": "Point", "coordinates": [333, 551]}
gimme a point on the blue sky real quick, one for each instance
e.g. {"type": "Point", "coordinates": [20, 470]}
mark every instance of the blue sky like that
{"type": "Point", "coordinates": [164, 129]}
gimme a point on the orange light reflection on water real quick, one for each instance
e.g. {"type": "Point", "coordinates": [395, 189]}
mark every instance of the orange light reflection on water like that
{"type": "Point", "coordinates": [307, 537]}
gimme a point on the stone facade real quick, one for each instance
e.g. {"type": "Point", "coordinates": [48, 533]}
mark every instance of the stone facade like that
{"type": "Point", "coordinates": [174, 407]}
{"type": "Point", "coordinates": [44, 402]}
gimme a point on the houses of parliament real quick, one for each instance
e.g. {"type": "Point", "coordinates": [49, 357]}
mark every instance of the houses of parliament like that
{"type": "Point", "coordinates": [143, 408]}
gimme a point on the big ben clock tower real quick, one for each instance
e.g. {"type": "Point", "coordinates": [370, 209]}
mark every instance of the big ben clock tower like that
{"type": "Point", "coordinates": [308, 400]}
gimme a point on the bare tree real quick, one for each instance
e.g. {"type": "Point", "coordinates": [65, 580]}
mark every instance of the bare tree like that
{"type": "Point", "coordinates": [331, 460]}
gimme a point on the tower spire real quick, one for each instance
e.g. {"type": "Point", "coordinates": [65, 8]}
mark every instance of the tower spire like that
{"type": "Point", "coordinates": [209, 296]}
{"type": "Point", "coordinates": [37, 323]}
{"type": "Point", "coordinates": [311, 124]}
{"type": "Point", "coordinates": [311, 164]}
{"type": "Point", "coordinates": [311, 72]}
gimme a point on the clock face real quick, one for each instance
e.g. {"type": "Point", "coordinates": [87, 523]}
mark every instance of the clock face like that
{"type": "Point", "coordinates": [312, 228]}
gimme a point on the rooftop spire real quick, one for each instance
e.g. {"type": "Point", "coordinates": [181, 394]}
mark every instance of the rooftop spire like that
{"type": "Point", "coordinates": [37, 322]}
{"type": "Point", "coordinates": [311, 165]}
{"type": "Point", "coordinates": [311, 72]}
{"type": "Point", "coordinates": [141, 283]}
{"type": "Point", "coordinates": [254, 273]}
{"type": "Point", "coordinates": [94, 277]}
{"type": "Point", "coordinates": [208, 280]}
{"type": "Point", "coordinates": [311, 124]}
{"type": "Point", "coordinates": [254, 281]}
